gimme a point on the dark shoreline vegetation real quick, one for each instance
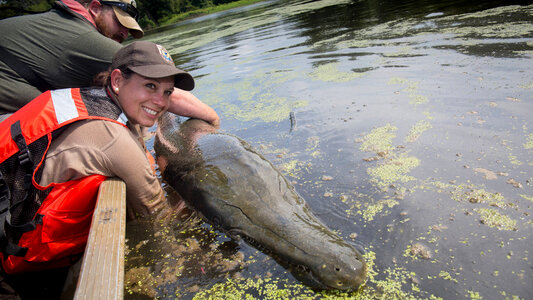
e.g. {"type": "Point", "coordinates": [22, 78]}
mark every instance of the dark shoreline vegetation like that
{"type": "Point", "coordinates": [205, 11]}
{"type": "Point", "coordinates": [154, 13]}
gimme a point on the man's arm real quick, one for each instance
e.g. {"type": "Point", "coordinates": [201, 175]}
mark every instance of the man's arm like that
{"type": "Point", "coordinates": [185, 104]}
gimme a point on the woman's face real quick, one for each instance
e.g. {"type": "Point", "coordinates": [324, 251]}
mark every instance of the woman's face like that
{"type": "Point", "coordinates": [143, 99]}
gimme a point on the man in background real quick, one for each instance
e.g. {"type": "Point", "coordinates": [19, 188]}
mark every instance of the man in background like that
{"type": "Point", "coordinates": [61, 48]}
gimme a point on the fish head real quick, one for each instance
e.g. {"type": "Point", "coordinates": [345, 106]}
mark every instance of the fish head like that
{"type": "Point", "coordinates": [342, 269]}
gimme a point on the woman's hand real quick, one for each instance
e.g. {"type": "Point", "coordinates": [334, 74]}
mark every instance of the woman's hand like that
{"type": "Point", "coordinates": [162, 162]}
{"type": "Point", "coordinates": [185, 104]}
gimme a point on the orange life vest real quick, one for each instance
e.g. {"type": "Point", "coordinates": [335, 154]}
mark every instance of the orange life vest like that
{"type": "Point", "coordinates": [57, 231]}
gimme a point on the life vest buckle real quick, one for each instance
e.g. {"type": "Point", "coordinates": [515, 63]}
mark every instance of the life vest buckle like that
{"type": "Point", "coordinates": [25, 158]}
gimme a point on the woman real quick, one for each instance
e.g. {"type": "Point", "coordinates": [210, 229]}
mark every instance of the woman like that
{"type": "Point", "coordinates": [62, 145]}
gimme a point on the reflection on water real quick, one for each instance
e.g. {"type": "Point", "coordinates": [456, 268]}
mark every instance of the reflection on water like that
{"type": "Point", "coordinates": [413, 139]}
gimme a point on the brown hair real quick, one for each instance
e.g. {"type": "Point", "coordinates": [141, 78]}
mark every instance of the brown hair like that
{"type": "Point", "coordinates": [104, 78]}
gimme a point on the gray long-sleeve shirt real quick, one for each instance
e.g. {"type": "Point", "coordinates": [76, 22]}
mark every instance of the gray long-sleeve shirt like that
{"type": "Point", "coordinates": [60, 46]}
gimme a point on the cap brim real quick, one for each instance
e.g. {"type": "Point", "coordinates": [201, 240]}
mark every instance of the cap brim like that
{"type": "Point", "coordinates": [182, 79]}
{"type": "Point", "coordinates": [127, 21]}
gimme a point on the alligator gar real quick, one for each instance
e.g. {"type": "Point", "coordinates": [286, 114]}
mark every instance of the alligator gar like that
{"type": "Point", "coordinates": [238, 190]}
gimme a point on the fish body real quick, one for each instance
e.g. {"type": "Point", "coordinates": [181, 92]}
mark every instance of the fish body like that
{"type": "Point", "coordinates": [237, 189]}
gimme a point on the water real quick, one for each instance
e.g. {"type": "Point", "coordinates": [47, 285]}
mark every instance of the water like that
{"type": "Point", "coordinates": [413, 139]}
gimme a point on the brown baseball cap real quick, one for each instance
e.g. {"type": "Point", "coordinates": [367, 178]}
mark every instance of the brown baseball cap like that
{"type": "Point", "coordinates": [127, 14]}
{"type": "Point", "coordinates": [153, 61]}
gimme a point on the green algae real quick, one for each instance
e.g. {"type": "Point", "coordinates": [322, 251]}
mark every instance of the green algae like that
{"type": "Point", "coordinates": [260, 288]}
{"type": "Point", "coordinates": [474, 295]}
{"type": "Point", "coordinates": [442, 186]}
{"type": "Point", "coordinates": [393, 171]}
{"type": "Point", "coordinates": [330, 73]}
{"type": "Point", "coordinates": [446, 276]}
{"type": "Point", "coordinates": [474, 194]}
{"type": "Point", "coordinates": [514, 160]}
{"type": "Point", "coordinates": [511, 297]}
{"type": "Point", "coordinates": [183, 40]}
{"type": "Point", "coordinates": [493, 218]}
{"type": "Point", "coordinates": [254, 99]}
{"type": "Point", "coordinates": [385, 34]}
{"type": "Point", "coordinates": [529, 85]}
{"type": "Point", "coordinates": [379, 139]}
{"type": "Point", "coordinates": [312, 146]}
{"type": "Point", "coordinates": [417, 130]}
{"type": "Point", "coordinates": [463, 196]}
{"type": "Point", "coordinates": [529, 143]}
{"type": "Point", "coordinates": [373, 209]}
{"type": "Point", "coordinates": [402, 51]}
{"type": "Point", "coordinates": [393, 283]}
{"type": "Point", "coordinates": [411, 90]}
{"type": "Point", "coordinates": [266, 108]}
{"type": "Point", "coordinates": [530, 198]}
{"type": "Point", "coordinates": [309, 6]}
{"type": "Point", "coordinates": [291, 167]}
{"type": "Point", "coordinates": [502, 30]}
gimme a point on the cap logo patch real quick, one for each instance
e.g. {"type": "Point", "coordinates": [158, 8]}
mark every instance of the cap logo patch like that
{"type": "Point", "coordinates": [164, 54]}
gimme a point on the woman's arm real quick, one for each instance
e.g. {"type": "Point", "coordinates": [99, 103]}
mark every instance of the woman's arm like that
{"type": "Point", "coordinates": [185, 104]}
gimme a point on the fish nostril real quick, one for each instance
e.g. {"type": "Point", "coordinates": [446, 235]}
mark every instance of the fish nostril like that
{"type": "Point", "coordinates": [338, 269]}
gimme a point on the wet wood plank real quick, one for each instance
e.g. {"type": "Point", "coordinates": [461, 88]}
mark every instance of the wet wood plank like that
{"type": "Point", "coordinates": [102, 270]}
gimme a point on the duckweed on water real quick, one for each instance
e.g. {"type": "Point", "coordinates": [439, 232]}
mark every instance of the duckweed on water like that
{"type": "Point", "coordinates": [253, 96]}
{"type": "Point", "coordinates": [514, 160]}
{"type": "Point", "coordinates": [529, 143]}
{"type": "Point", "coordinates": [530, 198]}
{"type": "Point", "coordinates": [185, 40]}
{"type": "Point", "coordinates": [291, 168]}
{"type": "Point", "coordinates": [261, 288]}
{"type": "Point", "coordinates": [266, 107]}
{"type": "Point", "coordinates": [373, 209]}
{"type": "Point", "coordinates": [396, 284]}
{"type": "Point", "coordinates": [411, 90]}
{"type": "Point", "coordinates": [473, 194]}
{"type": "Point", "coordinates": [312, 146]}
{"type": "Point", "coordinates": [446, 276]}
{"type": "Point", "coordinates": [493, 218]}
{"type": "Point", "coordinates": [474, 295]}
{"type": "Point", "coordinates": [330, 73]}
{"type": "Point", "coordinates": [502, 30]}
{"type": "Point", "coordinates": [528, 86]}
{"type": "Point", "coordinates": [417, 130]}
{"type": "Point", "coordinates": [385, 33]}
{"type": "Point", "coordinates": [379, 139]}
{"type": "Point", "coordinates": [394, 170]}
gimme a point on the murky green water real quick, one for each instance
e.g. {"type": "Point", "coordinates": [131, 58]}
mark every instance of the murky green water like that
{"type": "Point", "coordinates": [413, 139]}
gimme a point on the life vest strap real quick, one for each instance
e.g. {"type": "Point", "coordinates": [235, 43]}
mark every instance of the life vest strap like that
{"type": "Point", "coordinates": [26, 162]}
{"type": "Point", "coordinates": [5, 194]}
{"type": "Point", "coordinates": [25, 158]}
{"type": "Point", "coordinates": [6, 246]}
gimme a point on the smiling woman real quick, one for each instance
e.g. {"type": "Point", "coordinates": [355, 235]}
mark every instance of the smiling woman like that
{"type": "Point", "coordinates": [68, 142]}
{"type": "Point", "coordinates": [142, 80]}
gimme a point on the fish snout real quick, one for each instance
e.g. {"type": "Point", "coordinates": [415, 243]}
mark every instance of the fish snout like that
{"type": "Point", "coordinates": [346, 275]}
